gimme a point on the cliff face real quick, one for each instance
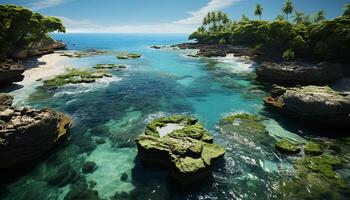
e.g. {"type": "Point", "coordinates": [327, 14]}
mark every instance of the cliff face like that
{"type": "Point", "coordinates": [26, 134]}
{"type": "Point", "coordinates": [10, 72]}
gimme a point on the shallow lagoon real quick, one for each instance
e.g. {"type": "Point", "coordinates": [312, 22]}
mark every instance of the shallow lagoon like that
{"type": "Point", "coordinates": [162, 82]}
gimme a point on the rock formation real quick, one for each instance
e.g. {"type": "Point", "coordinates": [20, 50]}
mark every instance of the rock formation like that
{"type": "Point", "coordinates": [10, 72]}
{"type": "Point", "coordinates": [188, 149]}
{"type": "Point", "coordinates": [291, 73]}
{"type": "Point", "coordinates": [312, 103]}
{"type": "Point", "coordinates": [26, 134]}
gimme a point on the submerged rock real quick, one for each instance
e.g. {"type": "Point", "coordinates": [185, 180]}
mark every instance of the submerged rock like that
{"type": "Point", "coordinates": [75, 76]}
{"type": "Point", "coordinates": [128, 55]}
{"type": "Point", "coordinates": [26, 134]}
{"type": "Point", "coordinates": [109, 66]}
{"type": "Point", "coordinates": [312, 149]}
{"type": "Point", "coordinates": [63, 176]}
{"type": "Point", "coordinates": [124, 177]}
{"type": "Point", "coordinates": [89, 167]}
{"type": "Point", "coordinates": [10, 72]}
{"type": "Point", "coordinates": [86, 53]}
{"type": "Point", "coordinates": [291, 73]}
{"type": "Point", "coordinates": [81, 193]}
{"type": "Point", "coordinates": [313, 103]}
{"type": "Point", "coordinates": [188, 151]}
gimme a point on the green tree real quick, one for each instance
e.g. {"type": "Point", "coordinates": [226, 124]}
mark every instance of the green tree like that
{"type": "Point", "coordinates": [319, 17]}
{"type": "Point", "coordinates": [346, 10]}
{"type": "Point", "coordinates": [280, 18]}
{"type": "Point", "coordinates": [21, 28]}
{"type": "Point", "coordinates": [288, 55]}
{"type": "Point", "coordinates": [287, 8]}
{"type": "Point", "coordinates": [258, 11]}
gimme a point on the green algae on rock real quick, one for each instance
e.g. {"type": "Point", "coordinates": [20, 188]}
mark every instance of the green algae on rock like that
{"type": "Point", "coordinates": [287, 147]}
{"type": "Point", "coordinates": [86, 53]}
{"type": "Point", "coordinates": [109, 66]}
{"type": "Point", "coordinates": [75, 76]}
{"type": "Point", "coordinates": [125, 55]}
{"type": "Point", "coordinates": [245, 123]}
{"type": "Point", "coordinates": [187, 150]}
{"type": "Point", "coordinates": [313, 149]}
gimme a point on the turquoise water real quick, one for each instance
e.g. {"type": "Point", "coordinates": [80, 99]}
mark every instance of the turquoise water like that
{"type": "Point", "coordinates": [162, 82]}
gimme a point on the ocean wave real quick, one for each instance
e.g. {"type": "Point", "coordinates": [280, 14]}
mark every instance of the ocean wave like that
{"type": "Point", "coordinates": [80, 88]}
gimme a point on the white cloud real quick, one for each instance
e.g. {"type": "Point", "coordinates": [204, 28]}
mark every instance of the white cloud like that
{"type": "Point", "coordinates": [186, 25]}
{"type": "Point", "coordinates": [198, 15]}
{"type": "Point", "coordinates": [45, 4]}
{"type": "Point", "coordinates": [74, 26]}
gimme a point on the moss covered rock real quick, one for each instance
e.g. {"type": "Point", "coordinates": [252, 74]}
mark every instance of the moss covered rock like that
{"type": "Point", "coordinates": [245, 124]}
{"type": "Point", "coordinates": [128, 55]}
{"type": "Point", "coordinates": [287, 147]}
{"type": "Point", "coordinates": [75, 76]}
{"type": "Point", "coordinates": [86, 53]}
{"type": "Point", "coordinates": [187, 150]}
{"type": "Point", "coordinates": [110, 66]}
{"type": "Point", "coordinates": [312, 149]}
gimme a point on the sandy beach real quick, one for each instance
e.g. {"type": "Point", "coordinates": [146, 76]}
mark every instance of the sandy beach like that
{"type": "Point", "coordinates": [43, 67]}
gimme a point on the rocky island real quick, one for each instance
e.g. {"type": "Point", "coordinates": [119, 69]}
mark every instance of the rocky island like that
{"type": "Point", "coordinates": [181, 144]}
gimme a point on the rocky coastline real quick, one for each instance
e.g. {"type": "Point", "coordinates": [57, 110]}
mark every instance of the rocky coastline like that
{"type": "Point", "coordinates": [11, 69]}
{"type": "Point", "coordinates": [26, 134]}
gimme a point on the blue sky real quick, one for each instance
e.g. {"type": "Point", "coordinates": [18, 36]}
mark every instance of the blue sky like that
{"type": "Point", "coordinates": [160, 16]}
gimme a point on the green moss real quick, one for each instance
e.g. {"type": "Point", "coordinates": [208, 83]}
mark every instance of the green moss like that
{"type": "Point", "coordinates": [242, 116]}
{"type": "Point", "coordinates": [287, 147]}
{"type": "Point", "coordinates": [128, 55]}
{"type": "Point", "coordinates": [313, 149]}
{"type": "Point", "coordinates": [188, 150]}
{"type": "Point", "coordinates": [323, 164]}
{"type": "Point", "coordinates": [75, 76]}
{"type": "Point", "coordinates": [87, 53]}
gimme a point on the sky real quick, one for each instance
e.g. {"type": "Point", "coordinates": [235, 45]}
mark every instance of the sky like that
{"type": "Point", "coordinates": [161, 16]}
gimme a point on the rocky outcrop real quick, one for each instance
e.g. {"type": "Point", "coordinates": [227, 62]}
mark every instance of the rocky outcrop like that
{"type": "Point", "coordinates": [26, 134]}
{"type": "Point", "coordinates": [215, 50]}
{"type": "Point", "coordinates": [291, 73]}
{"type": "Point", "coordinates": [38, 51]}
{"type": "Point", "coordinates": [188, 149]}
{"type": "Point", "coordinates": [312, 103]}
{"type": "Point", "coordinates": [10, 72]}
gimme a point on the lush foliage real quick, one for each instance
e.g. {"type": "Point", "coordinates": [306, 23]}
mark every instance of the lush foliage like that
{"type": "Point", "coordinates": [305, 36]}
{"type": "Point", "coordinates": [21, 28]}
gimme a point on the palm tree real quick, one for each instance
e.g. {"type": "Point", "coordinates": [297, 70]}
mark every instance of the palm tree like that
{"type": "Point", "coordinates": [244, 18]}
{"type": "Point", "coordinates": [258, 11]}
{"type": "Point", "coordinates": [287, 8]}
{"type": "Point", "coordinates": [320, 16]}
{"type": "Point", "coordinates": [347, 10]}
{"type": "Point", "coordinates": [280, 17]}
{"type": "Point", "coordinates": [298, 17]}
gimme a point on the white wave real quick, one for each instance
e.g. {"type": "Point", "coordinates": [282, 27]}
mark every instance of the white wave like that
{"type": "Point", "coordinates": [236, 64]}
{"type": "Point", "coordinates": [85, 87]}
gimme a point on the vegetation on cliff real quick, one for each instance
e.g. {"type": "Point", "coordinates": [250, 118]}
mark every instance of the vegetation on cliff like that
{"type": "Point", "coordinates": [21, 28]}
{"type": "Point", "coordinates": [285, 37]}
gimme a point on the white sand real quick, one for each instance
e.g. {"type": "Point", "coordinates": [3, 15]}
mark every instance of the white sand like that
{"type": "Point", "coordinates": [165, 130]}
{"type": "Point", "coordinates": [43, 67]}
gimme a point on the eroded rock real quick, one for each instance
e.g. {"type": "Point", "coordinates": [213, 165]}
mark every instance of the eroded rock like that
{"type": "Point", "coordinates": [26, 134]}
{"type": "Point", "coordinates": [10, 72]}
{"type": "Point", "coordinates": [188, 152]}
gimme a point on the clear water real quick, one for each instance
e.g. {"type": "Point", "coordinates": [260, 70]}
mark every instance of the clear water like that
{"type": "Point", "coordinates": [162, 82]}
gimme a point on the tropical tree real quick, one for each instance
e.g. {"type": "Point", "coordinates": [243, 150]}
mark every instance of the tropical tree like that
{"type": "Point", "coordinates": [215, 21]}
{"type": "Point", "coordinates": [244, 18]}
{"type": "Point", "coordinates": [298, 17]}
{"type": "Point", "coordinates": [346, 10]}
{"type": "Point", "coordinates": [258, 10]}
{"type": "Point", "coordinates": [280, 17]}
{"type": "Point", "coordinates": [287, 8]}
{"type": "Point", "coordinates": [320, 16]}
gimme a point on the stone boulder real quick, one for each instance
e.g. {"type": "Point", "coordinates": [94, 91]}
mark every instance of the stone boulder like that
{"type": "Point", "coordinates": [26, 134]}
{"type": "Point", "coordinates": [10, 72]}
{"type": "Point", "coordinates": [291, 73]}
{"type": "Point", "coordinates": [312, 103]}
{"type": "Point", "coordinates": [181, 144]}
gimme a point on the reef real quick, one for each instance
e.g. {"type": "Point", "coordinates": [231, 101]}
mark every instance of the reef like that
{"type": "Point", "coordinates": [125, 55]}
{"type": "Point", "coordinates": [75, 76]}
{"type": "Point", "coordinates": [86, 53]}
{"type": "Point", "coordinates": [109, 66]}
